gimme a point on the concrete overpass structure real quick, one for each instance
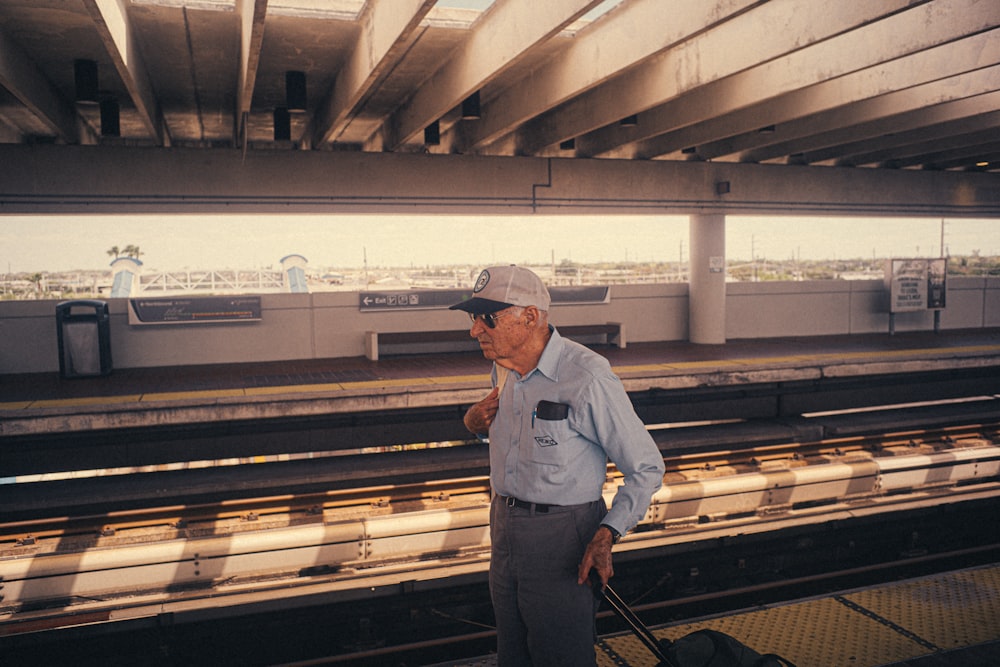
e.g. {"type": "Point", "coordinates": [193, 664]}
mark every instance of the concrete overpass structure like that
{"type": "Point", "coordinates": [699, 107]}
{"type": "Point", "coordinates": [705, 108]}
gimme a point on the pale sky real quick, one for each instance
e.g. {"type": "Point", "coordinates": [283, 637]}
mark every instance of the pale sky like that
{"type": "Point", "coordinates": [169, 243]}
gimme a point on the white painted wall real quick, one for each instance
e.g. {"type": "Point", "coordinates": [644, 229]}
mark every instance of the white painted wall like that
{"type": "Point", "coordinates": [323, 325]}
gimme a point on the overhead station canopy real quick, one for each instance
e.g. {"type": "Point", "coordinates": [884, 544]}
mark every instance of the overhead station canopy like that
{"type": "Point", "coordinates": [890, 84]}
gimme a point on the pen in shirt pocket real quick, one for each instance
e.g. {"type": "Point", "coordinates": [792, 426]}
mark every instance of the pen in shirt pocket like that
{"type": "Point", "coordinates": [534, 413]}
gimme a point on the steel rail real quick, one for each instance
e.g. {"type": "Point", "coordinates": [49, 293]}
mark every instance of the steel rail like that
{"type": "Point", "coordinates": [176, 516]}
{"type": "Point", "coordinates": [297, 506]}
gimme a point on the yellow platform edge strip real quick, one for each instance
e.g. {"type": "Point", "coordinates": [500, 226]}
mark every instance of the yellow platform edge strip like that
{"type": "Point", "coordinates": [456, 379]}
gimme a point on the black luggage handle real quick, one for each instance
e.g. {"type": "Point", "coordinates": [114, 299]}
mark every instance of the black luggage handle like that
{"type": "Point", "coordinates": [659, 646]}
{"type": "Point", "coordinates": [644, 634]}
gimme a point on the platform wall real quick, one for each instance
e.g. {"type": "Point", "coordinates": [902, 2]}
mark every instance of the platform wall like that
{"type": "Point", "coordinates": [331, 324]}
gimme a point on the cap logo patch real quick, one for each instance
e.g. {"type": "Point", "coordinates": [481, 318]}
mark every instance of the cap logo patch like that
{"type": "Point", "coordinates": [481, 282]}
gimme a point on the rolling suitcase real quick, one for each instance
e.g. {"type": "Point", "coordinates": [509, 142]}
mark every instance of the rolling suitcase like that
{"type": "Point", "coordinates": [702, 648]}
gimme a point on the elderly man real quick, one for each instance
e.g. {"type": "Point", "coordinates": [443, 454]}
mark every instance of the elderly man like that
{"type": "Point", "coordinates": [555, 416]}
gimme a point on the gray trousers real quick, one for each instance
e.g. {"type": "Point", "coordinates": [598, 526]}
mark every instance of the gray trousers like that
{"type": "Point", "coordinates": [544, 618]}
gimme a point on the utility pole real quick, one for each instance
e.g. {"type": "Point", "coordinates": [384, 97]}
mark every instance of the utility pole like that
{"type": "Point", "coordinates": [680, 263]}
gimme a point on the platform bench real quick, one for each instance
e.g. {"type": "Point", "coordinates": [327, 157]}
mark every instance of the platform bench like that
{"type": "Point", "coordinates": [459, 340]}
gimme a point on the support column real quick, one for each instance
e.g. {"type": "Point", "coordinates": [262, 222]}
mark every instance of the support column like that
{"type": "Point", "coordinates": [707, 287]}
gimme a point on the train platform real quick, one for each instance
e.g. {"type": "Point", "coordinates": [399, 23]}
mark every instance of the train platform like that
{"type": "Point", "coordinates": [950, 619]}
{"type": "Point", "coordinates": [944, 620]}
{"type": "Point", "coordinates": [208, 383]}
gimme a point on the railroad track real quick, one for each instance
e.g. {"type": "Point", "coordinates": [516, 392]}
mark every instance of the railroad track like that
{"type": "Point", "coordinates": [362, 548]}
{"type": "Point", "coordinates": [299, 507]}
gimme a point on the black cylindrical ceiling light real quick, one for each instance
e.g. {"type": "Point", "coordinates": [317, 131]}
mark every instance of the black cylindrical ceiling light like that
{"type": "Point", "coordinates": [282, 124]}
{"type": "Point", "coordinates": [471, 108]}
{"type": "Point", "coordinates": [85, 77]}
{"type": "Point", "coordinates": [295, 91]}
{"type": "Point", "coordinates": [432, 134]}
{"type": "Point", "coordinates": [110, 118]}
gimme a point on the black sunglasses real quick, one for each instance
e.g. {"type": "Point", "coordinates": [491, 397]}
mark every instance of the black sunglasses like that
{"type": "Point", "coordinates": [489, 319]}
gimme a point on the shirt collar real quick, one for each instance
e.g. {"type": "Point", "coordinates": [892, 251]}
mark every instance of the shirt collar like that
{"type": "Point", "coordinates": [548, 363]}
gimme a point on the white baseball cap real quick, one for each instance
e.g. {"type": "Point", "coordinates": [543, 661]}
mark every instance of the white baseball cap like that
{"type": "Point", "coordinates": [499, 287]}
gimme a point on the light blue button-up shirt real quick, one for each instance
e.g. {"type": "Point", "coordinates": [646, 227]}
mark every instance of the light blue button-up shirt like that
{"type": "Point", "coordinates": [564, 461]}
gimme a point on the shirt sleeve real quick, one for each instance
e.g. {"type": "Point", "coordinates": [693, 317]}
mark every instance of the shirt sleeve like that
{"type": "Point", "coordinates": [612, 422]}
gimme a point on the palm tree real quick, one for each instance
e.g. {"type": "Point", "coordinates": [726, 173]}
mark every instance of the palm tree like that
{"type": "Point", "coordinates": [132, 251]}
{"type": "Point", "coordinates": [36, 278]}
{"type": "Point", "coordinates": [114, 251]}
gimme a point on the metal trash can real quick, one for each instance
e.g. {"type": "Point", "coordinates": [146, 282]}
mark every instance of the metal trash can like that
{"type": "Point", "coordinates": [84, 332]}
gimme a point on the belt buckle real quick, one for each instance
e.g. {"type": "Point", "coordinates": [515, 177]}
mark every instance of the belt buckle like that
{"type": "Point", "coordinates": [510, 501]}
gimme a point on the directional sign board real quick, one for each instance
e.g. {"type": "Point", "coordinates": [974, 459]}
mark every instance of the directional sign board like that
{"type": "Point", "coordinates": [409, 299]}
{"type": "Point", "coordinates": [187, 310]}
{"type": "Point", "coordinates": [414, 299]}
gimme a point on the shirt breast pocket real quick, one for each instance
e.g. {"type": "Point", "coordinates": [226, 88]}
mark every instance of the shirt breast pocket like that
{"type": "Point", "coordinates": [552, 433]}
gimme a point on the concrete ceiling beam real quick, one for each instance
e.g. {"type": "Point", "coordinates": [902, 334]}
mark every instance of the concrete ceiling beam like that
{"type": "Point", "coordinates": [502, 37]}
{"type": "Point", "coordinates": [637, 30]}
{"type": "Point", "coordinates": [22, 78]}
{"type": "Point", "coordinates": [765, 105]}
{"type": "Point", "coordinates": [120, 179]}
{"type": "Point", "coordinates": [937, 122]}
{"type": "Point", "coordinates": [251, 15]}
{"type": "Point", "coordinates": [719, 47]}
{"type": "Point", "coordinates": [388, 27]}
{"type": "Point", "coordinates": [110, 17]}
{"type": "Point", "coordinates": [986, 159]}
{"type": "Point", "coordinates": [831, 134]}
{"type": "Point", "coordinates": [907, 135]}
{"type": "Point", "coordinates": [956, 143]}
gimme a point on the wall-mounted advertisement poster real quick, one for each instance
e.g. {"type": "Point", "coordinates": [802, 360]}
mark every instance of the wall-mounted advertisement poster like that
{"type": "Point", "coordinates": [916, 284]}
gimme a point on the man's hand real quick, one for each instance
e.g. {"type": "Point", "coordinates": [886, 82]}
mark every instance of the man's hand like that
{"type": "Point", "coordinates": [479, 417]}
{"type": "Point", "coordinates": [598, 557]}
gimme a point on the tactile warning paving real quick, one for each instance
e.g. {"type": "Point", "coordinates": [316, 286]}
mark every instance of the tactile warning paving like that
{"type": "Point", "coordinates": [956, 609]}
{"type": "Point", "coordinates": [814, 632]}
{"type": "Point", "coordinates": [629, 652]}
{"type": "Point", "coordinates": [879, 626]}
{"type": "Point", "coordinates": [867, 628]}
